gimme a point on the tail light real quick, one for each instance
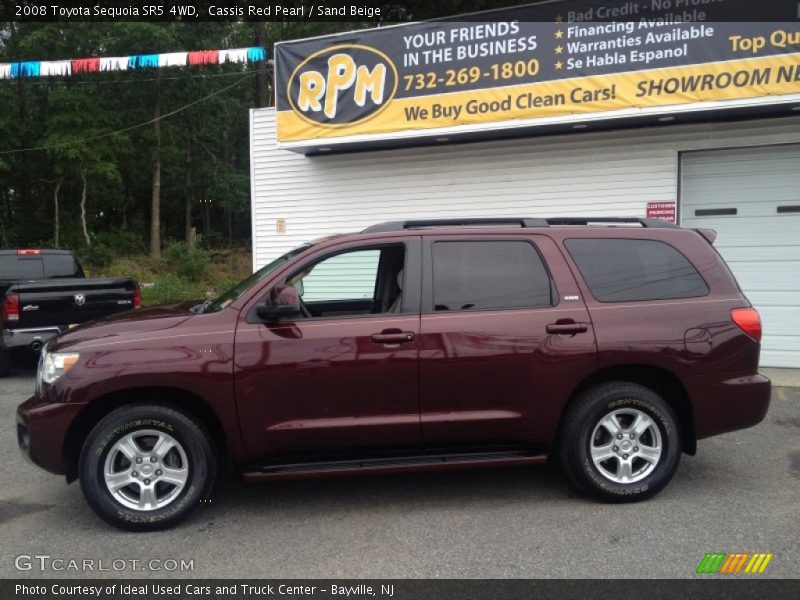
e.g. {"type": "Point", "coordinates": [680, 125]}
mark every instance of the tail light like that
{"type": "Point", "coordinates": [29, 252]}
{"type": "Point", "coordinates": [747, 320]}
{"type": "Point", "coordinates": [137, 298]}
{"type": "Point", "coordinates": [11, 308]}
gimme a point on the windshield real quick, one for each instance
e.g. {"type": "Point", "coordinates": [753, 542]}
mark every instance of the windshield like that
{"type": "Point", "coordinates": [229, 297]}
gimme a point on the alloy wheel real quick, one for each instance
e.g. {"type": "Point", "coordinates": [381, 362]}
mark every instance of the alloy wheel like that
{"type": "Point", "coordinates": [146, 470]}
{"type": "Point", "coordinates": [626, 445]}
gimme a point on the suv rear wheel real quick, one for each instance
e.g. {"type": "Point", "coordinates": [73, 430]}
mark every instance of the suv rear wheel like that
{"type": "Point", "coordinates": [146, 467]}
{"type": "Point", "coordinates": [620, 442]}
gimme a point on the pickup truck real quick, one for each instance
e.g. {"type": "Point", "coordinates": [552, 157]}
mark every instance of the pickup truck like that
{"type": "Point", "coordinates": [45, 292]}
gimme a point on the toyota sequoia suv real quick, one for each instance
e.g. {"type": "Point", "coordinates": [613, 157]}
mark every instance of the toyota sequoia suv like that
{"type": "Point", "coordinates": [610, 345]}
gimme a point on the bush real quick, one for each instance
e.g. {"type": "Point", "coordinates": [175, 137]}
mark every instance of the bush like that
{"type": "Point", "coordinates": [121, 242]}
{"type": "Point", "coordinates": [97, 255]}
{"type": "Point", "coordinates": [211, 239]}
{"type": "Point", "coordinates": [187, 263]}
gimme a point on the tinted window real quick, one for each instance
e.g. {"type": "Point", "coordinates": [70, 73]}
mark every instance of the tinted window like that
{"type": "Point", "coordinates": [20, 267]}
{"type": "Point", "coordinates": [486, 275]}
{"type": "Point", "coordinates": [632, 270]}
{"type": "Point", "coordinates": [60, 265]}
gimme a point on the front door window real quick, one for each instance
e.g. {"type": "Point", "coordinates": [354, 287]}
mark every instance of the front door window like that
{"type": "Point", "coordinates": [357, 282]}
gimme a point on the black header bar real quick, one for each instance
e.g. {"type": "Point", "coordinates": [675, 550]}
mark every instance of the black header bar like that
{"type": "Point", "coordinates": [372, 13]}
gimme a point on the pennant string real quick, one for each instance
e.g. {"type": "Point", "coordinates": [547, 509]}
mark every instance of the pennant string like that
{"type": "Point", "coordinates": [61, 68]}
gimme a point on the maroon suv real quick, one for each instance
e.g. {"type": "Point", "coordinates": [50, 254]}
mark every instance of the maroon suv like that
{"type": "Point", "coordinates": [611, 344]}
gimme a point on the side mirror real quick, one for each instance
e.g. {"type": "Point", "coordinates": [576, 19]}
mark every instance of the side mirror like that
{"type": "Point", "coordinates": [283, 302]}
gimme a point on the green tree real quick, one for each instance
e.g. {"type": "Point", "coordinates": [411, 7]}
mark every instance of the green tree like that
{"type": "Point", "coordinates": [152, 153]}
{"type": "Point", "coordinates": [92, 158]}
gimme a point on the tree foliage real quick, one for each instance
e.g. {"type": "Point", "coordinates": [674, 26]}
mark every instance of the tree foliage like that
{"type": "Point", "coordinates": [84, 144]}
{"type": "Point", "coordinates": [87, 170]}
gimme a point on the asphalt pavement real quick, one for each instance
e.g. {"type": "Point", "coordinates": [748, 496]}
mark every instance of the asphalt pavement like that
{"type": "Point", "coordinates": [739, 494]}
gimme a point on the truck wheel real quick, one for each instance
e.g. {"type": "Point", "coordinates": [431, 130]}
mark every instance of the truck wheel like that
{"type": "Point", "coordinates": [145, 467]}
{"type": "Point", "coordinates": [620, 442]}
{"type": "Point", "coordinates": [5, 363]}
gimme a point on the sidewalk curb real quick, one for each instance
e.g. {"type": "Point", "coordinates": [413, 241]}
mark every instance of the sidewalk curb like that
{"type": "Point", "coordinates": [782, 377]}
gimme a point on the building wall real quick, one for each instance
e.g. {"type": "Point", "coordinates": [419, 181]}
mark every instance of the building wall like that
{"type": "Point", "coordinates": [614, 173]}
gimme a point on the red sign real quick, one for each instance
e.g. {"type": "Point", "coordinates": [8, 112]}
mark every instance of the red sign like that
{"type": "Point", "coordinates": [666, 211]}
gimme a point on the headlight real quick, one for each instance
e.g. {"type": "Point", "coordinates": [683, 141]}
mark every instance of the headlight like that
{"type": "Point", "coordinates": [55, 364]}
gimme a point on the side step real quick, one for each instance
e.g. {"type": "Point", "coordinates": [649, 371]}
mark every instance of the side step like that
{"type": "Point", "coordinates": [397, 464]}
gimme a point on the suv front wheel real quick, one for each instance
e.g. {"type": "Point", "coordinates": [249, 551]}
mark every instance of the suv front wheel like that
{"type": "Point", "coordinates": [146, 467]}
{"type": "Point", "coordinates": [620, 442]}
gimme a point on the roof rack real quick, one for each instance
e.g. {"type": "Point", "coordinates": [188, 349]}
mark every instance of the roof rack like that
{"type": "Point", "coordinates": [519, 222]}
{"type": "Point", "coordinates": [479, 222]}
{"type": "Point", "coordinates": [647, 223]}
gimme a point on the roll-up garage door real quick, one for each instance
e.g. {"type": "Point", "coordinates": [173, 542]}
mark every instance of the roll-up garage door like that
{"type": "Point", "coordinates": [751, 197]}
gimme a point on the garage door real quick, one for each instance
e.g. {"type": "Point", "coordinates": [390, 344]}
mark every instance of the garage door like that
{"type": "Point", "coordinates": [751, 196]}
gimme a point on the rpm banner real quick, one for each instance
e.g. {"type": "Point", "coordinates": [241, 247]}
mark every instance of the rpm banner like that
{"type": "Point", "coordinates": [515, 66]}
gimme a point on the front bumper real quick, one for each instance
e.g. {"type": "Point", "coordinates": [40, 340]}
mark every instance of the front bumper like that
{"type": "Point", "coordinates": [41, 430]}
{"type": "Point", "coordinates": [32, 338]}
{"type": "Point", "coordinates": [722, 405]}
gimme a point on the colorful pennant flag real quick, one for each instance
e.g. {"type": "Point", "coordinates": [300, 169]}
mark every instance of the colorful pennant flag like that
{"type": "Point", "coordinates": [55, 68]}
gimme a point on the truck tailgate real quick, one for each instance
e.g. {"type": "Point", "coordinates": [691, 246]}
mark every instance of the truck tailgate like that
{"type": "Point", "coordinates": [72, 301]}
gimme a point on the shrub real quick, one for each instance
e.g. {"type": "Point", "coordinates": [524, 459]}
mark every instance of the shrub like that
{"type": "Point", "coordinates": [211, 239]}
{"type": "Point", "coordinates": [96, 255]}
{"type": "Point", "coordinates": [121, 242]}
{"type": "Point", "coordinates": [187, 263]}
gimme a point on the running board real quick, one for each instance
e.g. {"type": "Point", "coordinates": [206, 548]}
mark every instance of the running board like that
{"type": "Point", "coordinates": [393, 465]}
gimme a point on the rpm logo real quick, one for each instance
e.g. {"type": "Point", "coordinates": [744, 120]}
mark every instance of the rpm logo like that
{"type": "Point", "coordinates": [342, 85]}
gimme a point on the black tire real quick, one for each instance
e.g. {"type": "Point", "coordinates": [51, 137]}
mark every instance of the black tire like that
{"type": "Point", "coordinates": [582, 429]}
{"type": "Point", "coordinates": [197, 452]}
{"type": "Point", "coordinates": [5, 363]}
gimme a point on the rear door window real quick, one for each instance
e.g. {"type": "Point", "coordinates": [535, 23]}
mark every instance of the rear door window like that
{"type": "Point", "coordinates": [489, 275]}
{"type": "Point", "coordinates": [15, 267]}
{"type": "Point", "coordinates": [627, 270]}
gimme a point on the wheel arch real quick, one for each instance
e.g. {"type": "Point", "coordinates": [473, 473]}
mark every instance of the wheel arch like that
{"type": "Point", "coordinates": [662, 381]}
{"type": "Point", "coordinates": [187, 402]}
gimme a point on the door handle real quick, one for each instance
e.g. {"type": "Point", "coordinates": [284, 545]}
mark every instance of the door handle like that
{"type": "Point", "coordinates": [393, 337]}
{"type": "Point", "coordinates": [567, 328]}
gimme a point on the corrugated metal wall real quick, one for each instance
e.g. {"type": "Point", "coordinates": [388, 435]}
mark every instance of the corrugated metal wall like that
{"type": "Point", "coordinates": [760, 243]}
